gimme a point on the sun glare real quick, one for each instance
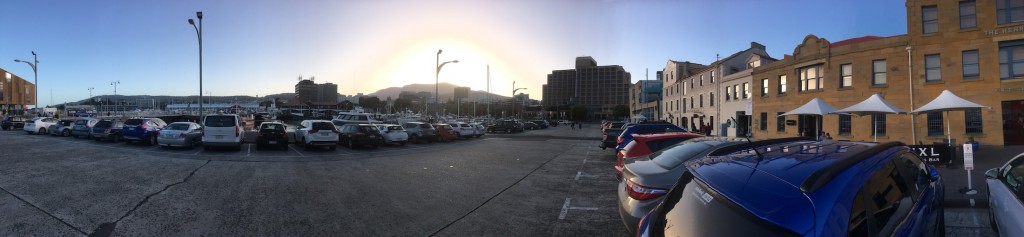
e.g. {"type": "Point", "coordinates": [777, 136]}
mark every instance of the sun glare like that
{"type": "Point", "coordinates": [416, 63]}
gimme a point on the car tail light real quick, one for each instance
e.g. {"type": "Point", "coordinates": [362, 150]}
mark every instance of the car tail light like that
{"type": "Point", "coordinates": [640, 192]}
{"type": "Point", "coordinates": [313, 131]}
{"type": "Point", "coordinates": [144, 126]}
{"type": "Point", "coordinates": [238, 131]}
{"type": "Point", "coordinates": [335, 130]}
{"type": "Point", "coordinates": [619, 140]}
{"type": "Point", "coordinates": [202, 132]}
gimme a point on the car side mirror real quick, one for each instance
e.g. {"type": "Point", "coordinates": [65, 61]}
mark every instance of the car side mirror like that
{"type": "Point", "coordinates": [933, 173]}
{"type": "Point", "coordinates": [992, 173]}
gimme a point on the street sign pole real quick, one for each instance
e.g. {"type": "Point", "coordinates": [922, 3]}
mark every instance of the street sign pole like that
{"type": "Point", "coordinates": [969, 165]}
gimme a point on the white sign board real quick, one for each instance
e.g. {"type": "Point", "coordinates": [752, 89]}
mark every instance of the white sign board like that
{"type": "Point", "coordinates": [968, 157]}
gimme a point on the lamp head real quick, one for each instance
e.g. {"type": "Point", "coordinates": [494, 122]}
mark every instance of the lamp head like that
{"type": "Point", "coordinates": [438, 51]}
{"type": "Point", "coordinates": [456, 61]}
{"type": "Point", "coordinates": [17, 60]}
{"type": "Point", "coordinates": [199, 15]}
{"type": "Point", "coordinates": [190, 22]}
{"type": "Point", "coordinates": [33, 53]}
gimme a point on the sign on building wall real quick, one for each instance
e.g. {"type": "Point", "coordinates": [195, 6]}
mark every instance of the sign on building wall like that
{"type": "Point", "coordinates": [934, 154]}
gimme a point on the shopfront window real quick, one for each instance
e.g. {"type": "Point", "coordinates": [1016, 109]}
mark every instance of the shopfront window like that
{"type": "Point", "coordinates": [935, 124]}
{"type": "Point", "coordinates": [972, 120]}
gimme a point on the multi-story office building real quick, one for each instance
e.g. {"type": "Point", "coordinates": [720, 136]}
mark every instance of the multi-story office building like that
{"type": "Point", "coordinates": [645, 99]}
{"type": "Point", "coordinates": [598, 88]}
{"type": "Point", "coordinates": [673, 89]}
{"type": "Point", "coordinates": [967, 47]}
{"type": "Point", "coordinates": [306, 91]}
{"type": "Point", "coordinates": [15, 93]}
{"type": "Point", "coordinates": [327, 92]}
{"type": "Point", "coordinates": [701, 92]}
{"type": "Point", "coordinates": [736, 103]}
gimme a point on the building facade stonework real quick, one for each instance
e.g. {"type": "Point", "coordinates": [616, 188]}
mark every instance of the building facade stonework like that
{"type": "Point", "coordinates": [600, 88]}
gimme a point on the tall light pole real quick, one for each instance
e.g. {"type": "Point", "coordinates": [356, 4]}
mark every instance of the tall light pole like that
{"type": "Point", "coordinates": [437, 60]}
{"type": "Point", "coordinates": [514, 96]}
{"type": "Point", "coordinates": [35, 59]}
{"type": "Point", "coordinates": [199, 33]}
{"type": "Point", "coordinates": [90, 92]}
{"type": "Point", "coordinates": [115, 83]}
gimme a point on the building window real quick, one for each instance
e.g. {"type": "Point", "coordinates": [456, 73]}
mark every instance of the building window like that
{"type": "Point", "coordinates": [701, 80]}
{"type": "Point", "coordinates": [1011, 59]}
{"type": "Point", "coordinates": [935, 124]}
{"type": "Point", "coordinates": [968, 15]}
{"type": "Point", "coordinates": [1009, 11]}
{"type": "Point", "coordinates": [878, 121]}
{"type": "Point", "coordinates": [701, 96]}
{"type": "Point", "coordinates": [736, 88]}
{"type": "Point", "coordinates": [846, 75]}
{"type": "Point", "coordinates": [970, 61]}
{"type": "Point", "coordinates": [691, 83]}
{"type": "Point", "coordinates": [810, 78]}
{"type": "Point", "coordinates": [972, 120]}
{"type": "Point", "coordinates": [929, 19]}
{"type": "Point", "coordinates": [684, 105]}
{"type": "Point", "coordinates": [782, 84]}
{"type": "Point", "coordinates": [845, 122]}
{"type": "Point", "coordinates": [746, 90]}
{"type": "Point", "coordinates": [878, 69]}
{"type": "Point", "coordinates": [932, 69]}
{"type": "Point", "coordinates": [780, 122]}
{"type": "Point", "coordinates": [764, 121]}
{"type": "Point", "coordinates": [691, 102]}
{"type": "Point", "coordinates": [728, 93]}
{"type": "Point", "coordinates": [711, 99]}
{"type": "Point", "coordinates": [764, 87]}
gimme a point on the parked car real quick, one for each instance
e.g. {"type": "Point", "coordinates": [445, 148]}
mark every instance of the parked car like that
{"type": "Point", "coordinates": [420, 132]}
{"type": "Point", "coordinates": [12, 122]}
{"type": "Point", "coordinates": [800, 188]}
{"type": "Point", "coordinates": [316, 133]}
{"type": "Point", "coordinates": [464, 130]}
{"type": "Point", "coordinates": [541, 124]}
{"type": "Point", "coordinates": [222, 130]}
{"type": "Point", "coordinates": [353, 117]}
{"type": "Point", "coordinates": [564, 122]}
{"type": "Point", "coordinates": [627, 134]}
{"type": "Point", "coordinates": [39, 125]}
{"type": "Point", "coordinates": [393, 133]}
{"type": "Point", "coordinates": [356, 135]}
{"type": "Point", "coordinates": [530, 126]}
{"type": "Point", "coordinates": [184, 134]}
{"type": "Point", "coordinates": [107, 130]}
{"type": "Point", "coordinates": [83, 127]}
{"type": "Point", "coordinates": [61, 128]}
{"type": "Point", "coordinates": [272, 134]}
{"type": "Point", "coordinates": [646, 179]}
{"type": "Point", "coordinates": [480, 129]}
{"type": "Point", "coordinates": [508, 126]}
{"type": "Point", "coordinates": [445, 132]}
{"type": "Point", "coordinates": [1005, 191]}
{"type": "Point", "coordinates": [142, 129]}
{"type": "Point", "coordinates": [644, 145]}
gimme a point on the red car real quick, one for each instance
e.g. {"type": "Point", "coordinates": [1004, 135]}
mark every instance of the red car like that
{"type": "Point", "coordinates": [643, 145]}
{"type": "Point", "coordinates": [445, 132]}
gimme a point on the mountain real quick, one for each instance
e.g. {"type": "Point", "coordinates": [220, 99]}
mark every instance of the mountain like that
{"type": "Point", "coordinates": [446, 91]}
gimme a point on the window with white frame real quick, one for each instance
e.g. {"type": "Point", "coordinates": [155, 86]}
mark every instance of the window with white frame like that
{"type": "Point", "coordinates": [810, 78]}
{"type": "Point", "coordinates": [846, 75]}
{"type": "Point", "coordinates": [878, 72]}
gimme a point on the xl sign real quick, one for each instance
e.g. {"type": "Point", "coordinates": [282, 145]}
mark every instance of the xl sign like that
{"type": "Point", "coordinates": [933, 153]}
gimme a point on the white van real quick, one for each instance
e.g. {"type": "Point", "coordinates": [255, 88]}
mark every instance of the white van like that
{"type": "Point", "coordinates": [222, 130]}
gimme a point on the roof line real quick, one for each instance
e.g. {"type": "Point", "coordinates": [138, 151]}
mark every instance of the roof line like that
{"type": "Point", "coordinates": [824, 175]}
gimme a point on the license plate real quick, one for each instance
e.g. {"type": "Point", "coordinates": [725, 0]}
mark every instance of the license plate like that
{"type": "Point", "coordinates": [219, 136]}
{"type": "Point", "coordinates": [372, 136]}
{"type": "Point", "coordinates": [272, 142]}
{"type": "Point", "coordinates": [323, 133]}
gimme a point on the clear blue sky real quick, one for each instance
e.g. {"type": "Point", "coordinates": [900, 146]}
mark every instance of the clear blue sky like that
{"type": "Point", "coordinates": [260, 47]}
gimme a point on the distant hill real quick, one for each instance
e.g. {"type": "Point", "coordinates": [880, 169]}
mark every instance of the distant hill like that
{"type": "Point", "coordinates": [446, 91]}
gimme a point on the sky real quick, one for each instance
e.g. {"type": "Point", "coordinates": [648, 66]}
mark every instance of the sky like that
{"type": "Point", "coordinates": [260, 47]}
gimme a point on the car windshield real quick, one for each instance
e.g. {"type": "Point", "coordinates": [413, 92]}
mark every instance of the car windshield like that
{"type": "Point", "coordinates": [426, 126]}
{"type": "Point", "coordinates": [395, 128]}
{"type": "Point", "coordinates": [359, 118]}
{"type": "Point", "coordinates": [322, 126]}
{"type": "Point", "coordinates": [271, 126]}
{"type": "Point", "coordinates": [338, 123]}
{"type": "Point", "coordinates": [368, 129]}
{"type": "Point", "coordinates": [673, 156]}
{"type": "Point", "coordinates": [103, 124]}
{"type": "Point", "coordinates": [177, 127]}
{"type": "Point", "coordinates": [699, 211]}
{"type": "Point", "coordinates": [219, 121]}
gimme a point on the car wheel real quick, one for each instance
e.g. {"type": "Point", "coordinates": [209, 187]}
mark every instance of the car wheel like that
{"type": "Point", "coordinates": [152, 140]}
{"type": "Point", "coordinates": [42, 131]}
{"type": "Point", "coordinates": [238, 147]}
{"type": "Point", "coordinates": [334, 148]}
{"type": "Point", "coordinates": [191, 144]}
{"type": "Point", "coordinates": [413, 139]}
{"type": "Point", "coordinates": [65, 133]}
{"type": "Point", "coordinates": [117, 138]}
{"type": "Point", "coordinates": [206, 148]}
{"type": "Point", "coordinates": [351, 143]}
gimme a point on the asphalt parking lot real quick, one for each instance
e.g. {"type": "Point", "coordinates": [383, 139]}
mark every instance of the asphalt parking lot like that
{"type": "Point", "coordinates": [552, 182]}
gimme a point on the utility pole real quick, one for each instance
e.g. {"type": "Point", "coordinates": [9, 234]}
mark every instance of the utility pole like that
{"type": "Point", "coordinates": [718, 90]}
{"type": "Point", "coordinates": [488, 90]}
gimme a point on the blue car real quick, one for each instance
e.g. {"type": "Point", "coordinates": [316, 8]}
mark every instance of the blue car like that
{"type": "Point", "coordinates": [627, 135]}
{"type": "Point", "coordinates": [142, 129]}
{"type": "Point", "coordinates": [802, 188]}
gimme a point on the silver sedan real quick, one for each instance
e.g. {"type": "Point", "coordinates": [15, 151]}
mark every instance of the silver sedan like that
{"type": "Point", "coordinates": [1005, 189]}
{"type": "Point", "coordinates": [183, 134]}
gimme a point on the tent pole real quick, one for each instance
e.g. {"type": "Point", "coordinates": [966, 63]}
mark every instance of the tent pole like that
{"type": "Point", "coordinates": [874, 130]}
{"type": "Point", "coordinates": [949, 136]}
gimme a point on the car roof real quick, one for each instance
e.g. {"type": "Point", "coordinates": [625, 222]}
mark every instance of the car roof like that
{"type": "Point", "coordinates": [783, 178]}
{"type": "Point", "coordinates": [659, 136]}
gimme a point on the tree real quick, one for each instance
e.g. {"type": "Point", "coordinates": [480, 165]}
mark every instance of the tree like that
{"type": "Point", "coordinates": [369, 102]}
{"type": "Point", "coordinates": [620, 111]}
{"type": "Point", "coordinates": [266, 104]}
{"type": "Point", "coordinates": [403, 103]}
{"type": "Point", "coordinates": [579, 113]}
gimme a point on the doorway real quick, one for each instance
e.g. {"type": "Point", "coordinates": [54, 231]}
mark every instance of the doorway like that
{"type": "Point", "coordinates": [806, 125]}
{"type": "Point", "coordinates": [1013, 122]}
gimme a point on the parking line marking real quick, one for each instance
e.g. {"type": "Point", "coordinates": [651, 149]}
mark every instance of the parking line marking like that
{"type": "Point", "coordinates": [248, 149]}
{"type": "Point", "coordinates": [197, 152]}
{"type": "Point", "coordinates": [296, 151]}
{"type": "Point", "coordinates": [565, 209]}
{"type": "Point", "coordinates": [585, 208]}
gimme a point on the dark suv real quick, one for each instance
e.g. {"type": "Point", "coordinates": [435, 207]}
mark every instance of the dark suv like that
{"type": "Point", "coordinates": [420, 131]}
{"type": "Point", "coordinates": [355, 135]}
{"type": "Point", "coordinates": [142, 129]}
{"type": "Point", "coordinates": [12, 122]}
{"type": "Point", "coordinates": [803, 188]}
{"type": "Point", "coordinates": [107, 130]}
{"type": "Point", "coordinates": [508, 126]}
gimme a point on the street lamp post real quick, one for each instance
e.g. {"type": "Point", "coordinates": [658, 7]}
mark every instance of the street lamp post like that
{"type": "Point", "coordinates": [514, 98]}
{"type": "Point", "coordinates": [115, 83]}
{"type": "Point", "coordinates": [437, 72]}
{"type": "Point", "coordinates": [90, 92]}
{"type": "Point", "coordinates": [199, 33]}
{"type": "Point", "coordinates": [35, 59]}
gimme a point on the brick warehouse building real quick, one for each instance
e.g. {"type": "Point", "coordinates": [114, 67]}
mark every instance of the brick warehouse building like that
{"type": "Point", "coordinates": [975, 49]}
{"type": "Point", "coordinates": [15, 93]}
